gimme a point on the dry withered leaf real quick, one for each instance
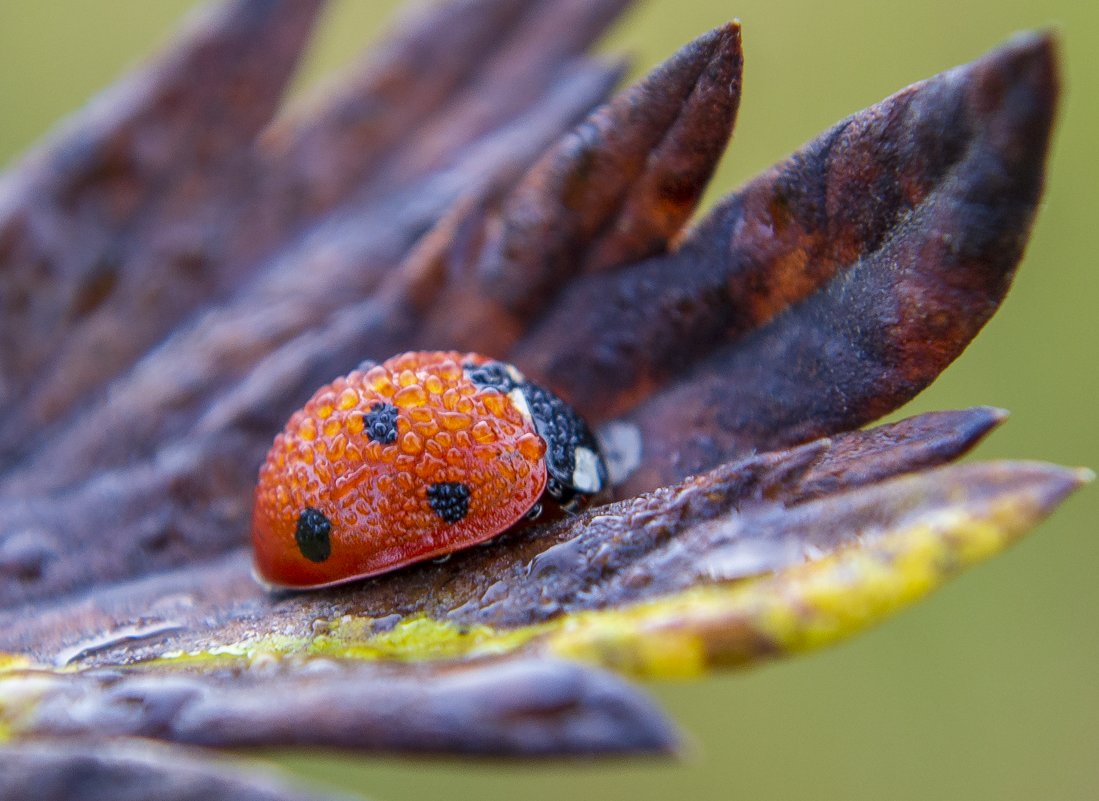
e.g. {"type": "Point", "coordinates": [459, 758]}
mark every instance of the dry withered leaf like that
{"type": "Point", "coordinates": [132, 771]}
{"type": "Point", "coordinates": [829, 290]}
{"type": "Point", "coordinates": [825, 293]}
{"type": "Point", "coordinates": [139, 210]}
{"type": "Point", "coordinates": [512, 706]}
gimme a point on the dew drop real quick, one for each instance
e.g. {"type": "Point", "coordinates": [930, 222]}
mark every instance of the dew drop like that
{"type": "Point", "coordinates": [410, 397]}
{"type": "Point", "coordinates": [532, 446]}
{"type": "Point", "coordinates": [483, 433]}
{"type": "Point", "coordinates": [453, 421]}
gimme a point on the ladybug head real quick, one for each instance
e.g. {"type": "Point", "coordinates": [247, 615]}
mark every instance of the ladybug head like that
{"type": "Point", "coordinates": [575, 468]}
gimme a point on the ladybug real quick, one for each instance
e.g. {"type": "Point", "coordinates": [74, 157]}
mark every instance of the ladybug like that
{"type": "Point", "coordinates": [411, 459]}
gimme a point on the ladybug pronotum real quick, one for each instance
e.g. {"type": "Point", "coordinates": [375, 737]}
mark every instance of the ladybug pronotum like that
{"type": "Point", "coordinates": [422, 455]}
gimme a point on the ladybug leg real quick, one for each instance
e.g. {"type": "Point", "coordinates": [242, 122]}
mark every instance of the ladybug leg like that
{"type": "Point", "coordinates": [574, 504]}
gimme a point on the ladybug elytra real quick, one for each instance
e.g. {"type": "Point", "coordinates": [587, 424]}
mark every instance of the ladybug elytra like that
{"type": "Point", "coordinates": [411, 459]}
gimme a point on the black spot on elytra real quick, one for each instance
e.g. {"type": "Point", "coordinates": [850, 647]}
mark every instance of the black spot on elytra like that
{"type": "Point", "coordinates": [490, 374]}
{"type": "Point", "coordinates": [449, 500]}
{"type": "Point", "coordinates": [312, 533]}
{"type": "Point", "coordinates": [381, 423]}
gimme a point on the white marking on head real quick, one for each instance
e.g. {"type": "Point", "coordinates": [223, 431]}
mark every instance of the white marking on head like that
{"type": "Point", "coordinates": [585, 476]}
{"type": "Point", "coordinates": [519, 401]}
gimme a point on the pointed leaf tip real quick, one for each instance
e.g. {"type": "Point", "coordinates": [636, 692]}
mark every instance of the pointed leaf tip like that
{"type": "Point", "coordinates": [901, 540]}
{"type": "Point", "coordinates": [616, 188]}
{"type": "Point", "coordinates": [834, 287]}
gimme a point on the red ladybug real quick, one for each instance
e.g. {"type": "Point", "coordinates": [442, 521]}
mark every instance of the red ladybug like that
{"type": "Point", "coordinates": [424, 454]}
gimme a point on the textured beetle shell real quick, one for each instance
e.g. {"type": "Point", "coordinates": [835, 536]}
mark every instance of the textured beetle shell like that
{"type": "Point", "coordinates": [391, 497]}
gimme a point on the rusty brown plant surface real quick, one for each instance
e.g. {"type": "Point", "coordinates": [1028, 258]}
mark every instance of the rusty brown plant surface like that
{"type": "Point", "coordinates": [185, 261]}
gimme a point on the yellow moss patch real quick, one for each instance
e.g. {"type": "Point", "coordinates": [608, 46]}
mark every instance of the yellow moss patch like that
{"type": "Point", "coordinates": [14, 700]}
{"type": "Point", "coordinates": [10, 662]}
{"type": "Point", "coordinates": [414, 639]}
{"type": "Point", "coordinates": [244, 651]}
{"type": "Point", "coordinates": [419, 638]}
{"type": "Point", "coordinates": [20, 692]}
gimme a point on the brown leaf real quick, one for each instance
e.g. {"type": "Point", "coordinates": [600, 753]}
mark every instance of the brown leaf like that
{"type": "Point", "coordinates": [131, 771]}
{"type": "Point", "coordinates": [524, 707]}
{"type": "Point", "coordinates": [806, 304]}
{"type": "Point", "coordinates": [893, 544]}
{"type": "Point", "coordinates": [334, 143]}
{"type": "Point", "coordinates": [519, 73]}
{"type": "Point", "coordinates": [119, 226]}
{"type": "Point", "coordinates": [617, 188]}
{"type": "Point", "coordinates": [622, 181]}
{"type": "Point", "coordinates": [823, 294]}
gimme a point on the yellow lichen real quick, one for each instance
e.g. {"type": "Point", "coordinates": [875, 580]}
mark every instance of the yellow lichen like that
{"type": "Point", "coordinates": [418, 638]}
{"type": "Point", "coordinates": [10, 662]}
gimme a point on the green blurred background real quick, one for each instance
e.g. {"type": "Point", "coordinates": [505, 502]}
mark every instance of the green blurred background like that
{"type": "Point", "coordinates": [988, 690]}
